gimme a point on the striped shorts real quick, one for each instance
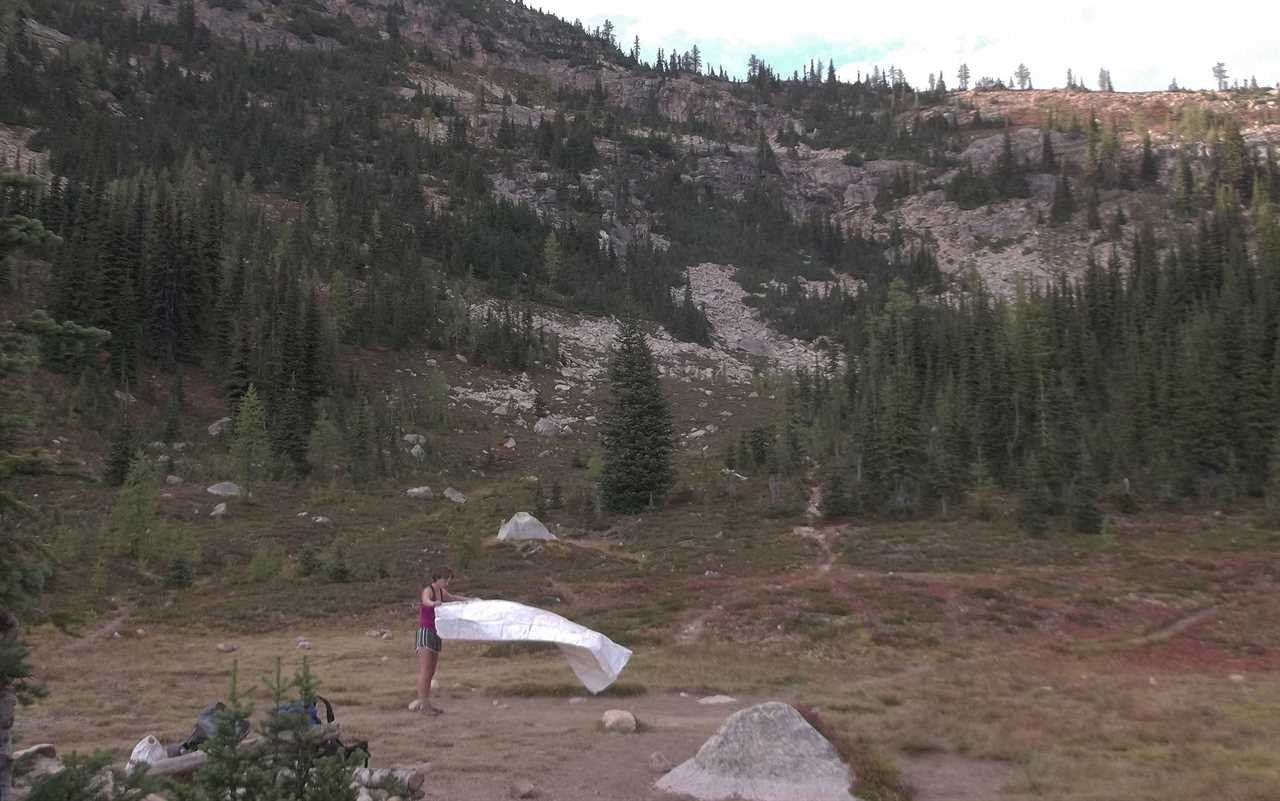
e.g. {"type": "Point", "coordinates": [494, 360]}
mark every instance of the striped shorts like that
{"type": "Point", "coordinates": [428, 640]}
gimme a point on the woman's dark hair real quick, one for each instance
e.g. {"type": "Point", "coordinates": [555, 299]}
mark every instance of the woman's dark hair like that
{"type": "Point", "coordinates": [441, 573]}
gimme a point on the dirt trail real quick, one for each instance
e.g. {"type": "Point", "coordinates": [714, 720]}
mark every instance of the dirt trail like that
{"type": "Point", "coordinates": [692, 631]}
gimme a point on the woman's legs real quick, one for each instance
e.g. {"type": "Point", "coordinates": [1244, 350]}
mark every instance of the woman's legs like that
{"type": "Point", "coordinates": [427, 661]}
{"type": "Point", "coordinates": [426, 668]}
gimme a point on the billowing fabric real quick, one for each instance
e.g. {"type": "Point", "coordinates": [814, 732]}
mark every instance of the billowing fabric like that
{"type": "Point", "coordinates": [595, 658]}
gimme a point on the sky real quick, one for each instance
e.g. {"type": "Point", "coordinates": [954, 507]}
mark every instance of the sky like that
{"type": "Point", "coordinates": [1145, 45]}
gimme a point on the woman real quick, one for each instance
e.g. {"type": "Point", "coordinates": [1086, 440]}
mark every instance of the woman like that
{"type": "Point", "coordinates": [428, 642]}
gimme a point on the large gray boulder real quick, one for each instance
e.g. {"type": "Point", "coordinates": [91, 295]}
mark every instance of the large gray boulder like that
{"type": "Point", "coordinates": [767, 752]}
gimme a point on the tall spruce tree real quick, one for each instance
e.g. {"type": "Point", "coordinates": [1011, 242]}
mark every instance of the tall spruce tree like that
{"type": "Point", "coordinates": [250, 444]}
{"type": "Point", "coordinates": [637, 428]}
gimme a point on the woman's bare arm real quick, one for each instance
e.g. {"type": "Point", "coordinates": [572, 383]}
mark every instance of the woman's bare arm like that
{"type": "Point", "coordinates": [427, 599]}
{"type": "Point", "coordinates": [448, 596]}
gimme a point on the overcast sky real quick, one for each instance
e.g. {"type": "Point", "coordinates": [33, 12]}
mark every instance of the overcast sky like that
{"type": "Point", "coordinates": [1144, 44]}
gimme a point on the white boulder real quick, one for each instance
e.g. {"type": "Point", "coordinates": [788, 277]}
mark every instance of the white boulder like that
{"type": "Point", "coordinates": [619, 721]}
{"type": "Point", "coordinates": [767, 752]}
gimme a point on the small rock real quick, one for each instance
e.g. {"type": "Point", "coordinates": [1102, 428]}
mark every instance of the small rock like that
{"type": "Point", "coordinates": [163, 458]}
{"type": "Point", "coordinates": [1238, 678]}
{"type": "Point", "coordinates": [432, 363]}
{"type": "Point", "coordinates": [225, 489]}
{"type": "Point", "coordinates": [226, 648]}
{"type": "Point", "coordinates": [123, 397]}
{"type": "Point", "coordinates": [386, 635]}
{"type": "Point", "coordinates": [502, 409]}
{"type": "Point", "coordinates": [181, 446]}
{"type": "Point", "coordinates": [156, 445]}
{"type": "Point", "coordinates": [619, 721]}
{"type": "Point", "coordinates": [374, 634]}
{"type": "Point", "coordinates": [140, 633]}
{"type": "Point", "coordinates": [304, 645]}
{"type": "Point", "coordinates": [418, 452]}
{"type": "Point", "coordinates": [455, 496]}
{"type": "Point", "coordinates": [422, 493]}
{"type": "Point", "coordinates": [577, 699]}
{"type": "Point", "coordinates": [461, 359]}
{"type": "Point", "coordinates": [219, 427]}
{"type": "Point", "coordinates": [219, 511]}
{"type": "Point", "coordinates": [510, 443]}
{"type": "Point", "coordinates": [363, 794]}
{"type": "Point", "coordinates": [173, 480]}
{"type": "Point", "coordinates": [659, 763]}
{"type": "Point", "coordinates": [711, 574]}
{"type": "Point", "coordinates": [414, 439]}
{"type": "Point", "coordinates": [322, 520]}
{"type": "Point", "coordinates": [524, 789]}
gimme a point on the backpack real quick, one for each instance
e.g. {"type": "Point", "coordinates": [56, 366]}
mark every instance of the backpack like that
{"type": "Point", "coordinates": [207, 725]}
{"type": "Point", "coordinates": [330, 746]}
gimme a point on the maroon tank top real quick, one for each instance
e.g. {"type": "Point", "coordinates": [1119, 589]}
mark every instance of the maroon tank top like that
{"type": "Point", "coordinates": [427, 614]}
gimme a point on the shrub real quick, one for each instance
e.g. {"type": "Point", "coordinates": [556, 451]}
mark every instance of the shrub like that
{"type": "Point", "coordinates": [266, 563]}
{"type": "Point", "coordinates": [180, 573]}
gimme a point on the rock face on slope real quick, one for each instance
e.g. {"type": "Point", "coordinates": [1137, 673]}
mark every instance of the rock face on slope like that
{"type": "Point", "coordinates": [765, 753]}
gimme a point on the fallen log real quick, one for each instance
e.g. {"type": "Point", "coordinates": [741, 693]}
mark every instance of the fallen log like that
{"type": "Point", "coordinates": [410, 779]}
{"type": "Point", "coordinates": [187, 764]}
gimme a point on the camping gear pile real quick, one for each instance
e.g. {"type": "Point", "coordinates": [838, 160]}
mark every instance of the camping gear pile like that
{"type": "Point", "coordinates": [289, 721]}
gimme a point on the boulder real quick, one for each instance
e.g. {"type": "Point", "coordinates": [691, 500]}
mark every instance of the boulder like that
{"type": "Point", "coordinates": [225, 489]}
{"type": "Point", "coordinates": [219, 427]}
{"type": "Point", "coordinates": [659, 763]}
{"type": "Point", "coordinates": [767, 752]}
{"type": "Point", "coordinates": [548, 427]}
{"type": "Point", "coordinates": [422, 493]}
{"type": "Point", "coordinates": [219, 511]}
{"type": "Point", "coordinates": [619, 721]}
{"type": "Point", "coordinates": [455, 496]}
{"type": "Point", "coordinates": [173, 480]}
{"type": "Point", "coordinates": [35, 763]}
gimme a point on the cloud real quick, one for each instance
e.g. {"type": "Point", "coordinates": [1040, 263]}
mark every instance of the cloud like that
{"type": "Point", "coordinates": [1144, 45]}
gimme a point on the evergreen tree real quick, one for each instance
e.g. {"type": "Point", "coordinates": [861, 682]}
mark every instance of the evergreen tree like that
{"type": "Point", "coordinates": [637, 428]}
{"type": "Point", "coordinates": [120, 453]}
{"type": "Point", "coordinates": [1093, 212]}
{"type": "Point", "coordinates": [1273, 483]}
{"type": "Point", "coordinates": [835, 492]}
{"type": "Point", "coordinates": [1063, 206]}
{"type": "Point", "coordinates": [289, 430]}
{"type": "Point", "coordinates": [1048, 160]}
{"type": "Point", "coordinates": [250, 444]}
{"type": "Point", "coordinates": [1148, 169]}
{"type": "Point", "coordinates": [1086, 517]}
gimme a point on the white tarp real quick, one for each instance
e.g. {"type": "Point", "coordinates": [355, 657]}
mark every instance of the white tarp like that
{"type": "Point", "coordinates": [524, 526]}
{"type": "Point", "coordinates": [595, 658]}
